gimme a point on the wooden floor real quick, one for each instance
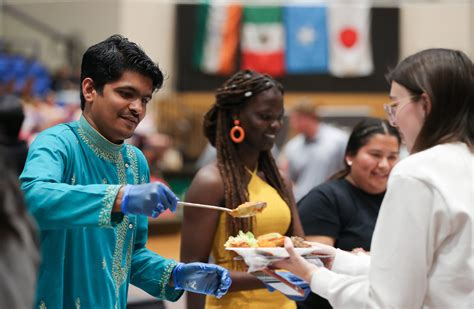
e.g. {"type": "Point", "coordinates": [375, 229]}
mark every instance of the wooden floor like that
{"type": "Point", "coordinates": [166, 245]}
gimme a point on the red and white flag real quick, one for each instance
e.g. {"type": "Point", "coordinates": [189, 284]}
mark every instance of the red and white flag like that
{"type": "Point", "coordinates": [350, 51]}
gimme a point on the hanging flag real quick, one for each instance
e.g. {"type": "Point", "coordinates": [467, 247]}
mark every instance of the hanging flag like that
{"type": "Point", "coordinates": [263, 40]}
{"type": "Point", "coordinates": [306, 39]}
{"type": "Point", "coordinates": [350, 48]}
{"type": "Point", "coordinates": [217, 38]}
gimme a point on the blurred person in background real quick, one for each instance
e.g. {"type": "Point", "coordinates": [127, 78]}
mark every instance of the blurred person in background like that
{"type": "Point", "coordinates": [90, 194]}
{"type": "Point", "coordinates": [421, 251]}
{"type": "Point", "coordinates": [19, 247]}
{"type": "Point", "coordinates": [315, 153]}
{"type": "Point", "coordinates": [207, 156]}
{"type": "Point", "coordinates": [343, 211]}
{"type": "Point", "coordinates": [153, 147]}
{"type": "Point", "coordinates": [242, 125]}
{"type": "Point", "coordinates": [12, 148]}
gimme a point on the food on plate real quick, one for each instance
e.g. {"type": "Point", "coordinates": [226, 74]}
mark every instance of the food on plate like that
{"type": "Point", "coordinates": [299, 242]}
{"type": "Point", "coordinates": [270, 240]}
{"type": "Point", "coordinates": [242, 240]}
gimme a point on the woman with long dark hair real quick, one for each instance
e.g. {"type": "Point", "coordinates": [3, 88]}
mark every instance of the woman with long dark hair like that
{"type": "Point", "coordinates": [19, 254]}
{"type": "Point", "coordinates": [342, 212]}
{"type": "Point", "coordinates": [242, 125]}
{"type": "Point", "coordinates": [421, 253]}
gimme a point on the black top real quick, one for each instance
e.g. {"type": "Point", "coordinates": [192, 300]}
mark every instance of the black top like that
{"type": "Point", "coordinates": [14, 154]}
{"type": "Point", "coordinates": [342, 211]}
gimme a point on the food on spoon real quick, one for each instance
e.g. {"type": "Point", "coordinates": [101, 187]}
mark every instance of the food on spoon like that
{"type": "Point", "coordinates": [248, 209]}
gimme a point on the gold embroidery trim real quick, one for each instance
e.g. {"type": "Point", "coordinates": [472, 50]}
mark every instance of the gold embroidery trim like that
{"type": "Point", "coordinates": [122, 176]}
{"type": "Point", "coordinates": [107, 205]}
{"type": "Point", "coordinates": [98, 152]}
{"type": "Point", "coordinates": [165, 278]}
{"type": "Point", "coordinates": [119, 271]}
{"type": "Point", "coordinates": [134, 163]}
{"type": "Point", "coordinates": [112, 157]}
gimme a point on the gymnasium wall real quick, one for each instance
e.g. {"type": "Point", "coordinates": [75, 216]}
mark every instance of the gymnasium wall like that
{"type": "Point", "coordinates": [152, 23]}
{"type": "Point", "coordinates": [443, 23]}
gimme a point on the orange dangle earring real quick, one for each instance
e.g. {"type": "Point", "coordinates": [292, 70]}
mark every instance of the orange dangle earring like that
{"type": "Point", "coordinates": [237, 133]}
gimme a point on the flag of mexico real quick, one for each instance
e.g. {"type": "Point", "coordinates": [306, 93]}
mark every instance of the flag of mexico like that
{"type": "Point", "coordinates": [263, 43]}
{"type": "Point", "coordinates": [217, 38]}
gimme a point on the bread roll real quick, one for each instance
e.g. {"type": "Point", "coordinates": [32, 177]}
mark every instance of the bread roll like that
{"type": "Point", "coordinates": [271, 240]}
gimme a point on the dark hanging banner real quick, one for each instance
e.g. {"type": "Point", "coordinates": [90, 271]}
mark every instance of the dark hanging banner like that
{"type": "Point", "coordinates": [385, 51]}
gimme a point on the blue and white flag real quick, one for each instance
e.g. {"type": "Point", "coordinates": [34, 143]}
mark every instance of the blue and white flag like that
{"type": "Point", "coordinates": [306, 39]}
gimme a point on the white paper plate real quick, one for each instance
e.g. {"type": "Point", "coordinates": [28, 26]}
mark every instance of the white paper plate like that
{"type": "Point", "coordinates": [278, 252]}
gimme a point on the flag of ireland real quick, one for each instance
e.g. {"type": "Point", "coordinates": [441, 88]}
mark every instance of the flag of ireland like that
{"type": "Point", "coordinates": [217, 38]}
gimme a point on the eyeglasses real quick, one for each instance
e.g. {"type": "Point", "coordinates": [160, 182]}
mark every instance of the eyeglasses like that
{"type": "Point", "coordinates": [393, 107]}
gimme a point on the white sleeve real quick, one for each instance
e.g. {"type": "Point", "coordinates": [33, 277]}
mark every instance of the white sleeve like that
{"type": "Point", "coordinates": [401, 253]}
{"type": "Point", "coordinates": [342, 291]}
{"type": "Point", "coordinates": [351, 264]}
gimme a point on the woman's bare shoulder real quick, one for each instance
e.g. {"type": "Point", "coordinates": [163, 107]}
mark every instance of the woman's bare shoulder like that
{"type": "Point", "coordinates": [209, 174]}
{"type": "Point", "coordinates": [207, 185]}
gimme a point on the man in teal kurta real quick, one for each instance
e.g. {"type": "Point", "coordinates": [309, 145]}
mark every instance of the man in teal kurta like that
{"type": "Point", "coordinates": [93, 226]}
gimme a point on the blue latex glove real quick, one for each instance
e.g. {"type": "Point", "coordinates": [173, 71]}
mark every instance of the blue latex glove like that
{"type": "Point", "coordinates": [149, 199]}
{"type": "Point", "coordinates": [296, 281]}
{"type": "Point", "coordinates": [202, 278]}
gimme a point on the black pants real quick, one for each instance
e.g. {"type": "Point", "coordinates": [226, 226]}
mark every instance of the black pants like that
{"type": "Point", "coordinates": [314, 302]}
{"type": "Point", "coordinates": [154, 304]}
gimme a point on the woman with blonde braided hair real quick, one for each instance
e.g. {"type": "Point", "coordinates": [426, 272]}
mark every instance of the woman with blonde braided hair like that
{"type": "Point", "coordinates": [242, 125]}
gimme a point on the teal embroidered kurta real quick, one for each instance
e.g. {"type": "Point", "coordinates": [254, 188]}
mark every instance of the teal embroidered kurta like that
{"type": "Point", "coordinates": [70, 181]}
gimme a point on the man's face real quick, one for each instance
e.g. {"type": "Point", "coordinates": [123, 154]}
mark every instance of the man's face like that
{"type": "Point", "coordinates": [119, 109]}
{"type": "Point", "coordinates": [300, 122]}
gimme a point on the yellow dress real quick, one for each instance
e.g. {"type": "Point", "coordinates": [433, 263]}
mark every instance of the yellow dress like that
{"type": "Point", "coordinates": [275, 218]}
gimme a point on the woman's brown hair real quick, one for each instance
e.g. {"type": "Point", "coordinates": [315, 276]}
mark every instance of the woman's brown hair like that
{"type": "Point", "coordinates": [233, 95]}
{"type": "Point", "coordinates": [447, 77]}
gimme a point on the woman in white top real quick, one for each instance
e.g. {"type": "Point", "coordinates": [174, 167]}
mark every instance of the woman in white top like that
{"type": "Point", "coordinates": [422, 252]}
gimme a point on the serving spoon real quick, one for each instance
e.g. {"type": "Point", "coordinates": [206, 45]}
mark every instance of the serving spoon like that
{"type": "Point", "coordinates": [244, 210]}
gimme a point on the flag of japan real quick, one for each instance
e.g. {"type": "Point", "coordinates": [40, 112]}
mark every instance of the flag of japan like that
{"type": "Point", "coordinates": [350, 47]}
